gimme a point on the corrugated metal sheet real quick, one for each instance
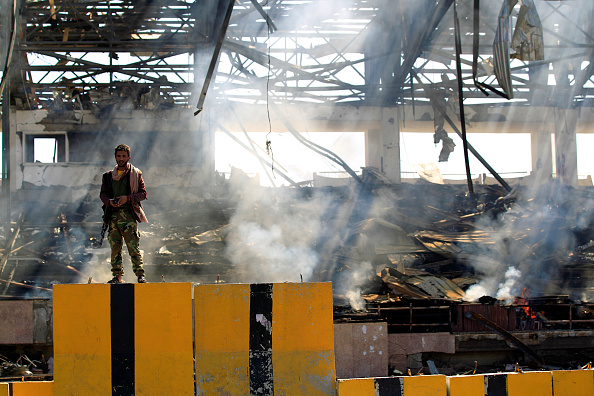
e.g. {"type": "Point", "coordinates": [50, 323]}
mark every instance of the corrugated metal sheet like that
{"type": "Point", "coordinates": [505, 317]}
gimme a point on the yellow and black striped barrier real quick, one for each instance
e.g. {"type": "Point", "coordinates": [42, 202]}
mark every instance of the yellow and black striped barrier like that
{"type": "Point", "coordinates": [506, 384]}
{"type": "Point", "coordinates": [425, 385]}
{"type": "Point", "coordinates": [247, 339]}
{"type": "Point", "coordinates": [541, 383]}
{"type": "Point", "coordinates": [123, 339]}
{"type": "Point", "coordinates": [545, 383]}
{"type": "Point", "coordinates": [264, 339]}
{"type": "Point", "coordinates": [137, 339]}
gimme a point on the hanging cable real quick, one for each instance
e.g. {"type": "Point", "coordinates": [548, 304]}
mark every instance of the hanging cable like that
{"type": "Point", "coordinates": [268, 141]}
{"type": "Point", "coordinates": [317, 148]}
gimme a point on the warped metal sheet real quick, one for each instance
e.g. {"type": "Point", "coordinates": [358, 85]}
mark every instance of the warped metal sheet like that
{"type": "Point", "coordinates": [446, 249]}
{"type": "Point", "coordinates": [501, 48]}
{"type": "Point", "coordinates": [437, 287]}
{"type": "Point", "coordinates": [474, 236]}
{"type": "Point", "coordinates": [421, 286]}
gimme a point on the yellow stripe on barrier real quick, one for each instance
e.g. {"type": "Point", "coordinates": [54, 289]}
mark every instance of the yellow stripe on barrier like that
{"type": "Point", "coordinates": [466, 385]}
{"type": "Point", "coordinates": [302, 315]}
{"type": "Point", "coordinates": [4, 389]}
{"type": "Point", "coordinates": [531, 383]}
{"type": "Point", "coordinates": [82, 340]}
{"type": "Point", "coordinates": [33, 388]}
{"type": "Point", "coordinates": [425, 385]}
{"type": "Point", "coordinates": [573, 383]}
{"type": "Point", "coordinates": [356, 387]}
{"type": "Point", "coordinates": [222, 327]}
{"type": "Point", "coordinates": [303, 339]}
{"type": "Point", "coordinates": [163, 339]}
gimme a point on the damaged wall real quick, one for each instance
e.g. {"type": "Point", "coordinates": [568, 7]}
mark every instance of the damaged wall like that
{"type": "Point", "coordinates": [166, 145]}
{"type": "Point", "coordinates": [25, 322]}
{"type": "Point", "coordinates": [159, 138]}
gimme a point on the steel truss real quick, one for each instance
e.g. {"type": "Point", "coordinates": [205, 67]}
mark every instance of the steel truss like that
{"type": "Point", "coordinates": [361, 52]}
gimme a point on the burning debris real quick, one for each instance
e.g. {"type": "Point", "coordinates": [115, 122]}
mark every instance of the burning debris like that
{"type": "Point", "coordinates": [534, 240]}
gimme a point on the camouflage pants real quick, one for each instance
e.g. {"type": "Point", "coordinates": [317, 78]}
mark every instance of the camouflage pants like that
{"type": "Point", "coordinates": [122, 225]}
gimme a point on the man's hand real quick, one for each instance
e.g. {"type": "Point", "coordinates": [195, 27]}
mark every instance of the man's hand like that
{"type": "Point", "coordinates": [122, 200]}
{"type": "Point", "coordinates": [118, 201]}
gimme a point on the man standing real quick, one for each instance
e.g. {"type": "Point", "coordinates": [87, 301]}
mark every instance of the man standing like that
{"type": "Point", "coordinates": [122, 190]}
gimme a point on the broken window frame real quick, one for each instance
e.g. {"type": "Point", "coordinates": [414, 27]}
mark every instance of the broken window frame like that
{"type": "Point", "coordinates": [29, 148]}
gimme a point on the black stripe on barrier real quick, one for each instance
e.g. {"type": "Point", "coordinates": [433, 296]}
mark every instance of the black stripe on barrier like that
{"type": "Point", "coordinates": [122, 339]}
{"type": "Point", "coordinates": [389, 386]}
{"type": "Point", "coordinates": [496, 385]}
{"type": "Point", "coordinates": [261, 377]}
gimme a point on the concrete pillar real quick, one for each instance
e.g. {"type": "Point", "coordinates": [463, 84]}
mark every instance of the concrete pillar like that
{"type": "Point", "coordinates": [565, 146]}
{"type": "Point", "coordinates": [390, 154]}
{"type": "Point", "coordinates": [6, 179]}
{"type": "Point", "coordinates": [542, 155]}
{"type": "Point", "coordinates": [373, 148]}
{"type": "Point", "coordinates": [206, 132]}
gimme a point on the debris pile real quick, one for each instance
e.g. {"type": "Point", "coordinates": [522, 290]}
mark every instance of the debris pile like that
{"type": "Point", "coordinates": [421, 243]}
{"type": "Point", "coordinates": [24, 367]}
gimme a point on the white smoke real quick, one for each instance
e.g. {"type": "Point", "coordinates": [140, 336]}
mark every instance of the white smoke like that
{"type": "Point", "coordinates": [269, 254]}
{"type": "Point", "coordinates": [531, 242]}
{"type": "Point", "coordinates": [273, 234]}
{"type": "Point", "coordinates": [509, 288]}
{"type": "Point", "coordinates": [357, 302]}
{"type": "Point", "coordinates": [503, 289]}
{"type": "Point", "coordinates": [352, 281]}
{"type": "Point", "coordinates": [485, 287]}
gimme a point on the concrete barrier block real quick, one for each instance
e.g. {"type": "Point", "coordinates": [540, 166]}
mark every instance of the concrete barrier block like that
{"type": "Point", "coordinates": [424, 385]}
{"type": "Point", "coordinates": [573, 383]}
{"type": "Point", "coordinates": [356, 387]}
{"type": "Point", "coordinates": [222, 323]}
{"type": "Point", "coordinates": [123, 338]}
{"type": "Point", "coordinates": [33, 388]}
{"type": "Point", "coordinates": [4, 389]}
{"type": "Point", "coordinates": [164, 342]}
{"type": "Point", "coordinates": [303, 339]}
{"type": "Point", "coordinates": [82, 339]}
{"type": "Point", "coordinates": [466, 385]}
{"type": "Point", "coordinates": [530, 383]}
{"type": "Point", "coordinates": [264, 338]}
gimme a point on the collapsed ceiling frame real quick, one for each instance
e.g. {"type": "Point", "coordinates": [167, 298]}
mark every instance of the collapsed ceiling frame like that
{"type": "Point", "coordinates": [327, 57]}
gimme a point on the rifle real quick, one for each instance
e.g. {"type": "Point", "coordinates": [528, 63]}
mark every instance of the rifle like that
{"type": "Point", "coordinates": [103, 229]}
{"type": "Point", "coordinates": [106, 216]}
